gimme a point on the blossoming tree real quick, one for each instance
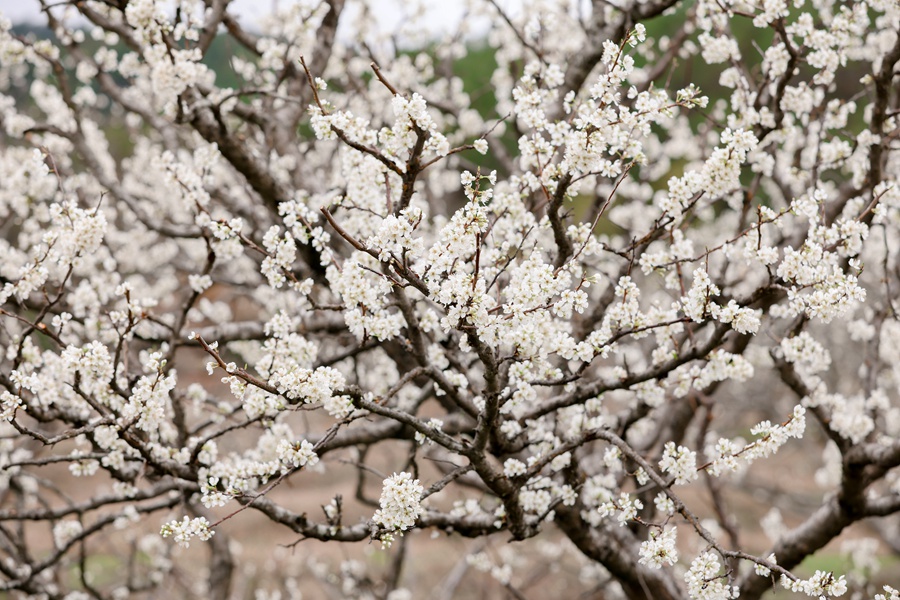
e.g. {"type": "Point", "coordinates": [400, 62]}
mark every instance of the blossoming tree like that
{"type": "Point", "coordinates": [580, 317]}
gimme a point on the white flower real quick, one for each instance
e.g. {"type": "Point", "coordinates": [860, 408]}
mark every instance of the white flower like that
{"type": "Point", "coordinates": [660, 549]}
{"type": "Point", "coordinates": [182, 531]}
{"type": "Point", "coordinates": [664, 504]}
{"type": "Point", "coordinates": [65, 531]}
{"type": "Point", "coordinates": [199, 283]}
{"type": "Point", "coordinates": [435, 424]}
{"type": "Point", "coordinates": [294, 455]}
{"type": "Point", "coordinates": [400, 502]}
{"type": "Point", "coordinates": [625, 508]}
{"type": "Point", "coordinates": [8, 405]}
{"type": "Point", "coordinates": [894, 594]}
{"type": "Point", "coordinates": [513, 467]}
{"type": "Point", "coordinates": [680, 462]}
{"type": "Point", "coordinates": [762, 570]}
{"type": "Point", "coordinates": [704, 581]}
{"type": "Point", "coordinates": [823, 583]}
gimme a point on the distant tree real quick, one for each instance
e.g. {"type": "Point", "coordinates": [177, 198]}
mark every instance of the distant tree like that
{"type": "Point", "coordinates": [589, 314]}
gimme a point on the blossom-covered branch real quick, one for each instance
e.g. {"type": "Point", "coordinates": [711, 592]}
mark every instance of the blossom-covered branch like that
{"type": "Point", "coordinates": [605, 296]}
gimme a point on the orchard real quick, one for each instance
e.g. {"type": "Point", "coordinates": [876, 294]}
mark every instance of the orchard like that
{"type": "Point", "coordinates": [564, 299]}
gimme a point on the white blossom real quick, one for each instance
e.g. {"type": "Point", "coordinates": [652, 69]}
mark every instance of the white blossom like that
{"type": "Point", "coordinates": [66, 531]}
{"type": "Point", "coordinates": [680, 462]}
{"type": "Point", "coordinates": [704, 581]}
{"type": "Point", "coordinates": [186, 529]}
{"type": "Point", "coordinates": [400, 503]}
{"type": "Point", "coordinates": [660, 549]}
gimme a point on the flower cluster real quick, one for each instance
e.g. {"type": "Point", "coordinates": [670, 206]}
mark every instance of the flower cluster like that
{"type": "Point", "coordinates": [822, 584]}
{"type": "Point", "coordinates": [660, 549]}
{"type": "Point", "coordinates": [624, 508]}
{"type": "Point", "coordinates": [186, 529]}
{"type": "Point", "coordinates": [680, 462]}
{"type": "Point", "coordinates": [400, 503]}
{"type": "Point", "coordinates": [704, 582]}
{"type": "Point", "coordinates": [728, 454]}
{"type": "Point", "coordinates": [66, 531]}
{"type": "Point", "coordinates": [295, 455]}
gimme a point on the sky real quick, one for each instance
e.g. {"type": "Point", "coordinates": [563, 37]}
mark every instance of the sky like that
{"type": "Point", "coordinates": [441, 14]}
